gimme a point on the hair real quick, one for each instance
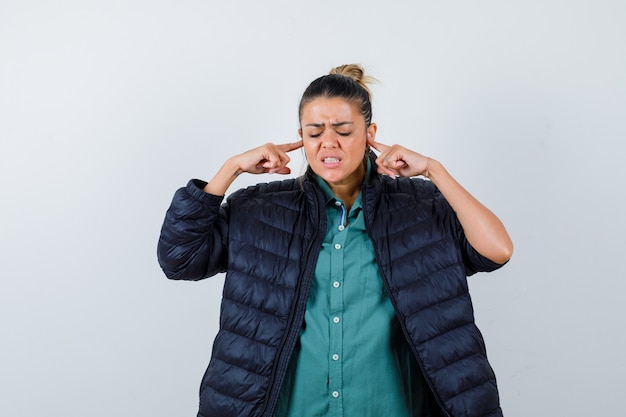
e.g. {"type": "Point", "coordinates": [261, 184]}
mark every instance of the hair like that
{"type": "Point", "coordinates": [345, 81]}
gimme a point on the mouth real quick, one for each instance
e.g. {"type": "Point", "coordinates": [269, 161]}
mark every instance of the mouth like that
{"type": "Point", "coordinates": [331, 160]}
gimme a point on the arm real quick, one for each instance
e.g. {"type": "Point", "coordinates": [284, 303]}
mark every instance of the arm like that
{"type": "Point", "coordinates": [193, 241]}
{"type": "Point", "coordinates": [484, 231]}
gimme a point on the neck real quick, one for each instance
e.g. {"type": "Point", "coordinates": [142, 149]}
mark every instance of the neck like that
{"type": "Point", "coordinates": [348, 189]}
{"type": "Point", "coordinates": [347, 195]}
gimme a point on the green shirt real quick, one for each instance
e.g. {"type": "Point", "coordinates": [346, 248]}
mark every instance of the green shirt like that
{"type": "Point", "coordinates": [352, 359]}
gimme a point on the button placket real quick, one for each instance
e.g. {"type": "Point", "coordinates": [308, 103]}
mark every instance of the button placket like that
{"type": "Point", "coordinates": [336, 311]}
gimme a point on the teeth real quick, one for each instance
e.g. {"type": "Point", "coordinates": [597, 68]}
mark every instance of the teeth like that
{"type": "Point", "coordinates": [331, 160]}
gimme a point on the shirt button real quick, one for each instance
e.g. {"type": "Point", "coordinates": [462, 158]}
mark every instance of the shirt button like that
{"type": "Point", "coordinates": [336, 319]}
{"type": "Point", "coordinates": [341, 228]}
{"type": "Point", "coordinates": [335, 357]}
{"type": "Point", "coordinates": [337, 246]}
{"type": "Point", "coordinates": [336, 284]}
{"type": "Point", "coordinates": [335, 394]}
{"type": "Point", "coordinates": [337, 203]}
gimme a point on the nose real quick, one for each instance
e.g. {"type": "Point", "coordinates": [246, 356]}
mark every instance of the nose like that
{"type": "Point", "coordinates": [329, 140]}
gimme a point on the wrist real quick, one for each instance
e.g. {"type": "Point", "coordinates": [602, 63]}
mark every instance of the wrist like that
{"type": "Point", "coordinates": [426, 172]}
{"type": "Point", "coordinates": [231, 168]}
{"type": "Point", "coordinates": [433, 169]}
{"type": "Point", "coordinates": [224, 178]}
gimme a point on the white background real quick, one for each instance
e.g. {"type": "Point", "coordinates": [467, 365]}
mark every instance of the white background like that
{"type": "Point", "coordinates": [107, 107]}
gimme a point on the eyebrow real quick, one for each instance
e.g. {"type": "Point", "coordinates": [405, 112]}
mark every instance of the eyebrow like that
{"type": "Point", "coordinates": [338, 124]}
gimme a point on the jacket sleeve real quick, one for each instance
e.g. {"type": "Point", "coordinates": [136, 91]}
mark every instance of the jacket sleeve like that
{"type": "Point", "coordinates": [472, 260]}
{"type": "Point", "coordinates": [193, 240]}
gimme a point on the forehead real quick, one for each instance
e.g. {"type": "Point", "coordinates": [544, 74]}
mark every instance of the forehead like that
{"type": "Point", "coordinates": [334, 109]}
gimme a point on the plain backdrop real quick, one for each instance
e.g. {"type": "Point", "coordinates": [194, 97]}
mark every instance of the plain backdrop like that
{"type": "Point", "coordinates": [107, 107]}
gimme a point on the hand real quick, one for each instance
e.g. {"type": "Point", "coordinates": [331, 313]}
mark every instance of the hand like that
{"type": "Point", "coordinates": [398, 161]}
{"type": "Point", "coordinates": [269, 158]}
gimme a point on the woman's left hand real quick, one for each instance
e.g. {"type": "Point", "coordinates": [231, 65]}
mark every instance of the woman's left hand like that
{"type": "Point", "coordinates": [398, 161]}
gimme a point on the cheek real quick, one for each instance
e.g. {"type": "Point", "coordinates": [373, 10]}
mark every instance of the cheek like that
{"type": "Point", "coordinates": [310, 150]}
{"type": "Point", "coordinates": [358, 146]}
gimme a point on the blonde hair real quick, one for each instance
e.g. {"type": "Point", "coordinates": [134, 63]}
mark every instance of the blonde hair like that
{"type": "Point", "coordinates": [357, 73]}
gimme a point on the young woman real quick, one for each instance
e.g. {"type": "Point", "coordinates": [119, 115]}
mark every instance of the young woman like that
{"type": "Point", "coordinates": [345, 290]}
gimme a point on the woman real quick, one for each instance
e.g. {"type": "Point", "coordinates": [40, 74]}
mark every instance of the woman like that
{"type": "Point", "coordinates": [345, 290]}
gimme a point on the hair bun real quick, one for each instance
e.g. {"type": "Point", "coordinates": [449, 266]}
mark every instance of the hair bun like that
{"type": "Point", "coordinates": [348, 82]}
{"type": "Point", "coordinates": [356, 73]}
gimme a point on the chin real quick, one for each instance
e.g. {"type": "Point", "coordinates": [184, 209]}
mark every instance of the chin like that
{"type": "Point", "coordinates": [332, 178]}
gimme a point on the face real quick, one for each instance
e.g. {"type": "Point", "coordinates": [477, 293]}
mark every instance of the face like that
{"type": "Point", "coordinates": [334, 136]}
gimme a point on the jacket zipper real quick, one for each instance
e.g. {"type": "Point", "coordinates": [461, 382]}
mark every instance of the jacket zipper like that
{"type": "Point", "coordinates": [289, 339]}
{"type": "Point", "coordinates": [395, 306]}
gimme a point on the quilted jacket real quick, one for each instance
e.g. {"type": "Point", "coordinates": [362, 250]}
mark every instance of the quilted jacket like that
{"type": "Point", "coordinates": [267, 237]}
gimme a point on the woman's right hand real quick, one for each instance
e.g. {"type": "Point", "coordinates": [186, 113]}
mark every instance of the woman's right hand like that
{"type": "Point", "coordinates": [266, 159]}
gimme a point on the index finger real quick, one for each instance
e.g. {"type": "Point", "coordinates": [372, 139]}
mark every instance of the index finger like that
{"type": "Point", "coordinates": [378, 146]}
{"type": "Point", "coordinates": [288, 147]}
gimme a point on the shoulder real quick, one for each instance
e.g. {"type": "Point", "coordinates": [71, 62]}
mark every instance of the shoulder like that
{"type": "Point", "coordinates": [409, 189]}
{"type": "Point", "coordinates": [409, 200]}
{"type": "Point", "coordinates": [266, 209]}
{"type": "Point", "coordinates": [285, 190]}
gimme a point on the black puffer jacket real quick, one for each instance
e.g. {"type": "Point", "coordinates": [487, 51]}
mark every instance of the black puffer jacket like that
{"type": "Point", "coordinates": [267, 239]}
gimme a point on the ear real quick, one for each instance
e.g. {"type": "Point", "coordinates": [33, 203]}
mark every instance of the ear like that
{"type": "Point", "coordinates": [300, 133]}
{"type": "Point", "coordinates": [371, 133]}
